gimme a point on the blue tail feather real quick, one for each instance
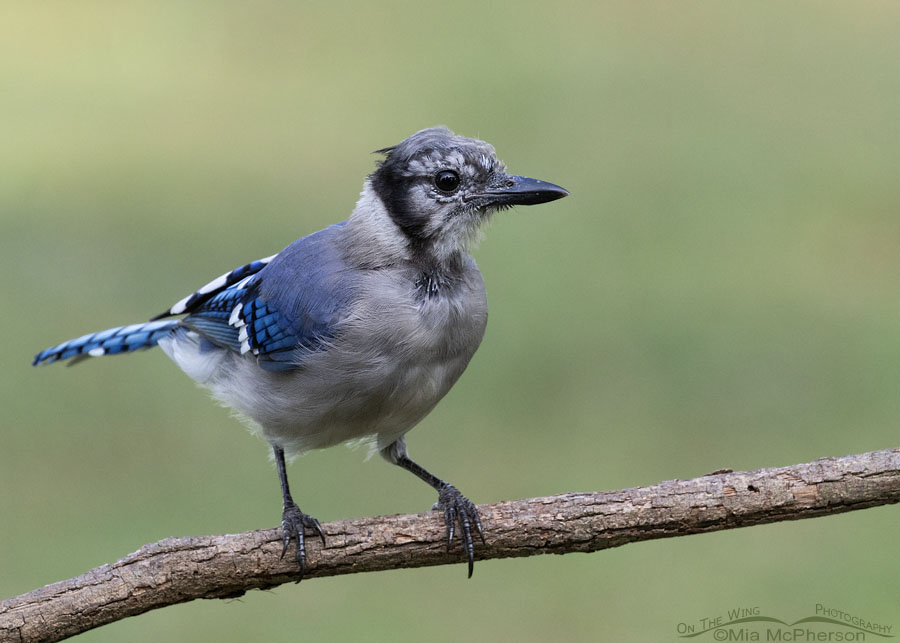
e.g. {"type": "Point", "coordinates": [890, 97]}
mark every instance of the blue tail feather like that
{"type": "Point", "coordinates": [122, 339]}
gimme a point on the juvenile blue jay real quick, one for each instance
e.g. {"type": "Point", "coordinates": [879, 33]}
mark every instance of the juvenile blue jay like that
{"type": "Point", "coordinates": [354, 332]}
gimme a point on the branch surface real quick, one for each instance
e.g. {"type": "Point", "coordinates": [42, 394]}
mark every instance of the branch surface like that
{"type": "Point", "coordinates": [176, 570]}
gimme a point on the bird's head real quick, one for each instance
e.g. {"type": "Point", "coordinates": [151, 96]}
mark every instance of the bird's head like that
{"type": "Point", "coordinates": [438, 188]}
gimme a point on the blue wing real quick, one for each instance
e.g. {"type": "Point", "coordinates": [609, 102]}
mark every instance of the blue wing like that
{"type": "Point", "coordinates": [280, 308]}
{"type": "Point", "coordinates": [287, 309]}
{"type": "Point", "coordinates": [214, 287]}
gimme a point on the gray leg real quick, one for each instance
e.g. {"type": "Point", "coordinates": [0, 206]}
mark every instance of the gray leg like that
{"type": "Point", "coordinates": [456, 507]}
{"type": "Point", "coordinates": [293, 521]}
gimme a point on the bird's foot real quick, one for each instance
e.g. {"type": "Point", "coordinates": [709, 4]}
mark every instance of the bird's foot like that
{"type": "Point", "coordinates": [459, 509]}
{"type": "Point", "coordinates": [293, 525]}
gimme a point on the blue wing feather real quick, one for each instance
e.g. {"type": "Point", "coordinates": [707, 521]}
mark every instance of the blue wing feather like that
{"type": "Point", "coordinates": [286, 310]}
{"type": "Point", "coordinates": [195, 300]}
{"type": "Point", "coordinates": [121, 339]}
{"type": "Point", "coordinates": [281, 308]}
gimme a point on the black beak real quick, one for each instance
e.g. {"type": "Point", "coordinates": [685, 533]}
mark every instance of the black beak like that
{"type": "Point", "coordinates": [520, 190]}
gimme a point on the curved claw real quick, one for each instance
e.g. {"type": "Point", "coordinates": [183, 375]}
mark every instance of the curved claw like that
{"type": "Point", "coordinates": [321, 533]}
{"type": "Point", "coordinates": [294, 524]}
{"type": "Point", "coordinates": [459, 509]}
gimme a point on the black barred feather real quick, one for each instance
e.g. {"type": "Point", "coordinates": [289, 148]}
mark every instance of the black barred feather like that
{"type": "Point", "coordinates": [217, 285]}
{"type": "Point", "coordinates": [122, 339]}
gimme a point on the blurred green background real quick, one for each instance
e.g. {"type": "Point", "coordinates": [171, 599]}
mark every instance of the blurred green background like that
{"type": "Point", "coordinates": [719, 290]}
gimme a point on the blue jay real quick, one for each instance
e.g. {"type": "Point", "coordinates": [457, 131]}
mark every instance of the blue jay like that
{"type": "Point", "coordinates": [355, 332]}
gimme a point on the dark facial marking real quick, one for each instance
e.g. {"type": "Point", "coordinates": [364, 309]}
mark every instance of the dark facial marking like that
{"type": "Point", "coordinates": [393, 188]}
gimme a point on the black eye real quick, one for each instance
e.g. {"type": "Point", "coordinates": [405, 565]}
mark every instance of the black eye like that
{"type": "Point", "coordinates": [446, 180]}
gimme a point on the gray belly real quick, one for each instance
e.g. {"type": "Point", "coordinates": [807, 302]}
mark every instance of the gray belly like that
{"type": "Point", "coordinates": [388, 367]}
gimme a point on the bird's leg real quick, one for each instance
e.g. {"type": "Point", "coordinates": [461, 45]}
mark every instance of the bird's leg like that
{"type": "Point", "coordinates": [456, 507]}
{"type": "Point", "coordinates": [293, 521]}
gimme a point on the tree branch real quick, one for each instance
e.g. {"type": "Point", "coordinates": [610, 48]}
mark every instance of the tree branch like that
{"type": "Point", "coordinates": [176, 570]}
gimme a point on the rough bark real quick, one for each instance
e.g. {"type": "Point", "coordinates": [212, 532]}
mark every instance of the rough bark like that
{"type": "Point", "coordinates": [176, 570]}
